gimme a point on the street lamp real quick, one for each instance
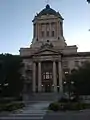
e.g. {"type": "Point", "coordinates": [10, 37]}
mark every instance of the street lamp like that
{"type": "Point", "coordinates": [5, 84]}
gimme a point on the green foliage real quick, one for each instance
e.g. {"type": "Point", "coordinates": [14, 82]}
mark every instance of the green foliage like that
{"type": "Point", "coordinates": [63, 100]}
{"type": "Point", "coordinates": [81, 78]}
{"type": "Point", "coordinates": [10, 72]}
{"type": "Point", "coordinates": [11, 106]}
{"type": "Point", "coordinates": [68, 106]}
{"type": "Point", "coordinates": [54, 106]}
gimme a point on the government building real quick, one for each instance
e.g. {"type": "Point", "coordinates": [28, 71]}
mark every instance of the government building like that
{"type": "Point", "coordinates": [49, 58]}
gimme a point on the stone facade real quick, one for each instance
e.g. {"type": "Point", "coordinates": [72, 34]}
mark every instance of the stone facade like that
{"type": "Point", "coordinates": [49, 57]}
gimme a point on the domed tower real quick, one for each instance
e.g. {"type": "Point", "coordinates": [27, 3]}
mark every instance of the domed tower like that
{"type": "Point", "coordinates": [48, 27]}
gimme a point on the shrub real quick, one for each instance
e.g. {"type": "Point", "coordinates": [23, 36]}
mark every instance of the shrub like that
{"type": "Point", "coordinates": [11, 106]}
{"type": "Point", "coordinates": [54, 106]}
{"type": "Point", "coordinates": [63, 100]}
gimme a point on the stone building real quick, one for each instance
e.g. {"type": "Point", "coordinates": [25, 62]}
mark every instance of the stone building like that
{"type": "Point", "coordinates": [49, 57]}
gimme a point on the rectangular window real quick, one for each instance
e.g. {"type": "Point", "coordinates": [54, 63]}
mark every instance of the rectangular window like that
{"type": "Point", "coordinates": [61, 28]}
{"type": "Point", "coordinates": [76, 63]}
{"type": "Point", "coordinates": [65, 63]}
{"type": "Point", "coordinates": [34, 30]}
{"type": "Point", "coordinates": [82, 62]}
{"type": "Point", "coordinates": [52, 33]}
{"type": "Point", "coordinates": [47, 33]}
{"type": "Point", "coordinates": [42, 33]}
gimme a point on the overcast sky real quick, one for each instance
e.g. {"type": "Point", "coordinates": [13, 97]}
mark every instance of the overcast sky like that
{"type": "Point", "coordinates": [16, 22]}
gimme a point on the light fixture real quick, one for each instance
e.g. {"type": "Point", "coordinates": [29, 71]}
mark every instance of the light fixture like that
{"type": "Point", "coordinates": [42, 85]}
{"type": "Point", "coordinates": [64, 82]}
{"type": "Point", "coordinates": [66, 72]}
{"type": "Point", "coordinates": [6, 84]}
{"type": "Point", "coordinates": [72, 82]}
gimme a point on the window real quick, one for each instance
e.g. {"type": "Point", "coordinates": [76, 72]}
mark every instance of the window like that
{"type": "Point", "coordinates": [65, 63]}
{"type": "Point", "coordinates": [76, 63]}
{"type": "Point", "coordinates": [53, 23]}
{"type": "Point", "coordinates": [52, 33]}
{"type": "Point", "coordinates": [82, 62]}
{"type": "Point", "coordinates": [61, 28]}
{"type": "Point", "coordinates": [47, 33]}
{"type": "Point", "coordinates": [42, 33]}
{"type": "Point", "coordinates": [47, 75]}
{"type": "Point", "coordinates": [34, 30]}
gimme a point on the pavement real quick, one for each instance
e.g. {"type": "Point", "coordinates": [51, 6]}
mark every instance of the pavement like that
{"type": "Point", "coordinates": [38, 111]}
{"type": "Point", "coordinates": [33, 111]}
{"type": "Point", "coordinates": [69, 115]}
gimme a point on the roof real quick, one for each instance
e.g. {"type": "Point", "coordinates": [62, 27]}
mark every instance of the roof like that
{"type": "Point", "coordinates": [49, 11]}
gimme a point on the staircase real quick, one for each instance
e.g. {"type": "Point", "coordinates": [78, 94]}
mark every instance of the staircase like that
{"type": "Point", "coordinates": [34, 111]}
{"type": "Point", "coordinates": [44, 96]}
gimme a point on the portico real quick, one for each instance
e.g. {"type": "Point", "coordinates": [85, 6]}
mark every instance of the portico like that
{"type": "Point", "coordinates": [47, 76]}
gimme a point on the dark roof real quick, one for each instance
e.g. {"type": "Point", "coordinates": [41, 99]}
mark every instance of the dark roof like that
{"type": "Point", "coordinates": [49, 11]}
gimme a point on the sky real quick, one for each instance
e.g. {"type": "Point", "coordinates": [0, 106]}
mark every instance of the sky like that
{"type": "Point", "coordinates": [16, 17]}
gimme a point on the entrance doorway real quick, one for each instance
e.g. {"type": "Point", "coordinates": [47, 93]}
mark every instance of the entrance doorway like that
{"type": "Point", "coordinates": [47, 87]}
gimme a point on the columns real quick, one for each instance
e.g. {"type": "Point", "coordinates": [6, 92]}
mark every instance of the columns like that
{"type": "Point", "coordinates": [34, 78]}
{"type": "Point", "coordinates": [54, 77]}
{"type": "Point", "coordinates": [39, 77]}
{"type": "Point", "coordinates": [60, 76]}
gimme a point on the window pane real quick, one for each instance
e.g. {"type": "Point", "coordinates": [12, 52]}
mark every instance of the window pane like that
{"type": "Point", "coordinates": [76, 63]}
{"type": "Point", "coordinates": [65, 63]}
{"type": "Point", "coordinates": [47, 76]}
{"type": "Point", "coordinates": [43, 76]}
{"type": "Point", "coordinates": [52, 33]}
{"type": "Point", "coordinates": [42, 33]}
{"type": "Point", "coordinates": [47, 33]}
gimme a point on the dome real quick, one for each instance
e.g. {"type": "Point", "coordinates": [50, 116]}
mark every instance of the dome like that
{"type": "Point", "coordinates": [50, 11]}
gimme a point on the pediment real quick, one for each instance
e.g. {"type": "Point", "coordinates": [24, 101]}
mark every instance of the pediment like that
{"type": "Point", "coordinates": [46, 52]}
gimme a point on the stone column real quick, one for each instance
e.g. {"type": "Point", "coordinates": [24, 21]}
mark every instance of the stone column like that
{"type": "Point", "coordinates": [54, 77]}
{"type": "Point", "coordinates": [60, 77]}
{"type": "Point", "coordinates": [39, 77]}
{"type": "Point", "coordinates": [34, 78]}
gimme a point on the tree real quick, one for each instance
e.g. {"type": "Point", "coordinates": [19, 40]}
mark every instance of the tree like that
{"type": "Point", "coordinates": [11, 73]}
{"type": "Point", "coordinates": [81, 78]}
{"type": "Point", "coordinates": [88, 1]}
